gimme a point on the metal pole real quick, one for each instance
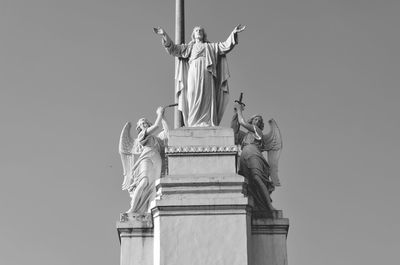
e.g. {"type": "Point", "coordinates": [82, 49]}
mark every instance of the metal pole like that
{"type": "Point", "coordinates": [179, 39]}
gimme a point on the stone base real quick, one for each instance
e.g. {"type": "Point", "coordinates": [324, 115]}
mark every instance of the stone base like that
{"type": "Point", "coordinates": [136, 237]}
{"type": "Point", "coordinates": [203, 236]}
{"type": "Point", "coordinates": [201, 220]}
{"type": "Point", "coordinates": [202, 150]}
{"type": "Point", "coordinates": [202, 214]}
{"type": "Point", "coordinates": [268, 241]}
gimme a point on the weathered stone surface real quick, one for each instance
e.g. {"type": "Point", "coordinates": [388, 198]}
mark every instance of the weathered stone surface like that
{"type": "Point", "coordinates": [203, 150]}
{"type": "Point", "coordinates": [201, 186]}
{"type": "Point", "coordinates": [201, 238]}
{"type": "Point", "coordinates": [201, 219]}
{"type": "Point", "coordinates": [202, 213]}
{"type": "Point", "coordinates": [192, 164]}
{"type": "Point", "coordinates": [201, 136]}
{"type": "Point", "coordinates": [268, 241]}
{"type": "Point", "coordinates": [136, 236]}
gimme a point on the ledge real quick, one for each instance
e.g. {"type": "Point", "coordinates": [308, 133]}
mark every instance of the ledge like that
{"type": "Point", "coordinates": [201, 150]}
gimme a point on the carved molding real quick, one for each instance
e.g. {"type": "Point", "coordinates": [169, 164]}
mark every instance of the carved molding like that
{"type": "Point", "coordinates": [270, 229]}
{"type": "Point", "coordinates": [135, 217]}
{"type": "Point", "coordinates": [201, 149]}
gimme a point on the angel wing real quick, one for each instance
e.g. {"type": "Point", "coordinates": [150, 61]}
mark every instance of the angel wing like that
{"type": "Point", "coordinates": [273, 146]}
{"type": "Point", "coordinates": [125, 150]}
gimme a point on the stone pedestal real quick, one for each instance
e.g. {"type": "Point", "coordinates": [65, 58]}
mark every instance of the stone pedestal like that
{"type": "Point", "coordinates": [268, 240]}
{"type": "Point", "coordinates": [201, 213]}
{"type": "Point", "coordinates": [136, 237]}
{"type": "Point", "coordinates": [201, 220]}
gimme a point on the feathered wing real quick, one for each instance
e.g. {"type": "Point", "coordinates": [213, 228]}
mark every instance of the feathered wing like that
{"type": "Point", "coordinates": [125, 151]}
{"type": "Point", "coordinates": [273, 146]}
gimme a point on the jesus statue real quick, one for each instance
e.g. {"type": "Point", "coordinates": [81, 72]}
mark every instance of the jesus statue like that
{"type": "Point", "coordinates": [201, 76]}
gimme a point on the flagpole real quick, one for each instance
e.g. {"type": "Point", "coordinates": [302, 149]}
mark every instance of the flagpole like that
{"type": "Point", "coordinates": [179, 39]}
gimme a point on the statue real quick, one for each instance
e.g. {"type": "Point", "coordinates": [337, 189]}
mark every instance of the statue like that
{"type": "Point", "coordinates": [201, 76]}
{"type": "Point", "coordinates": [262, 175]}
{"type": "Point", "coordinates": [141, 160]}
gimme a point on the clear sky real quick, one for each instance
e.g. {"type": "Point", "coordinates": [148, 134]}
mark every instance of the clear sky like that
{"type": "Point", "coordinates": [72, 72]}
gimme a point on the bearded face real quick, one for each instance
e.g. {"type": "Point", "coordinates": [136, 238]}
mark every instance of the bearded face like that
{"type": "Point", "coordinates": [199, 34]}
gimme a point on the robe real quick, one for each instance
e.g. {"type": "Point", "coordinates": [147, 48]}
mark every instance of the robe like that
{"type": "Point", "coordinates": [201, 80]}
{"type": "Point", "coordinates": [147, 165]}
{"type": "Point", "coordinates": [252, 163]}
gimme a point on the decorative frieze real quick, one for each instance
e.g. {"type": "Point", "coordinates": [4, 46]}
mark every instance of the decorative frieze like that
{"type": "Point", "coordinates": [201, 149]}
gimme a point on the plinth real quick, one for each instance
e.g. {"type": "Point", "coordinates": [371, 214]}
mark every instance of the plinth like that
{"type": "Point", "coordinates": [202, 213]}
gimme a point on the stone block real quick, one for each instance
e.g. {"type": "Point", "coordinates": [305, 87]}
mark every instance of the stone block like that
{"type": "Point", "coordinates": [201, 136]}
{"type": "Point", "coordinates": [201, 219]}
{"type": "Point", "coordinates": [196, 164]}
{"type": "Point", "coordinates": [268, 241]}
{"type": "Point", "coordinates": [201, 237]}
{"type": "Point", "coordinates": [203, 150]}
{"type": "Point", "coordinates": [136, 237]}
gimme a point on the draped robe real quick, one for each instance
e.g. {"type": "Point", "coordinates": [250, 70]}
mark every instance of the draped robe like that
{"type": "Point", "coordinates": [201, 80]}
{"type": "Point", "coordinates": [147, 165]}
{"type": "Point", "coordinates": [252, 163]}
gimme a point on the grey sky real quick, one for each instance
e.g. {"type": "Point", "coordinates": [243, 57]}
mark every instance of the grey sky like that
{"type": "Point", "coordinates": [73, 72]}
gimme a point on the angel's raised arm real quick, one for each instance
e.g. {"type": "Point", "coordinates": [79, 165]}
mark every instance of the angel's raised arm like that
{"type": "Point", "coordinates": [156, 125]}
{"type": "Point", "coordinates": [244, 123]}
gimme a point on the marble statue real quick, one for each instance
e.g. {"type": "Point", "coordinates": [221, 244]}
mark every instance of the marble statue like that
{"type": "Point", "coordinates": [141, 160]}
{"type": "Point", "coordinates": [201, 76]}
{"type": "Point", "coordinates": [262, 175]}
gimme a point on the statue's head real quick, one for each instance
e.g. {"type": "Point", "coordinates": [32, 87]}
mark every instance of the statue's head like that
{"type": "Point", "coordinates": [199, 33]}
{"type": "Point", "coordinates": [257, 120]}
{"type": "Point", "coordinates": [142, 124]}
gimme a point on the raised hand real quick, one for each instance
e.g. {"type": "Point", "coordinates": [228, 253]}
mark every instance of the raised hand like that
{"type": "Point", "coordinates": [239, 28]}
{"type": "Point", "coordinates": [238, 106]}
{"type": "Point", "coordinates": [159, 31]}
{"type": "Point", "coordinates": [160, 111]}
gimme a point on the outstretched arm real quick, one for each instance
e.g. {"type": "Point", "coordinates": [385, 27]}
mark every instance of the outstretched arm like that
{"type": "Point", "coordinates": [156, 125]}
{"type": "Point", "coordinates": [239, 108]}
{"type": "Point", "coordinates": [227, 46]}
{"type": "Point", "coordinates": [235, 123]}
{"type": "Point", "coordinates": [239, 28]}
{"type": "Point", "coordinates": [166, 40]}
{"type": "Point", "coordinates": [236, 128]}
{"type": "Point", "coordinates": [177, 50]}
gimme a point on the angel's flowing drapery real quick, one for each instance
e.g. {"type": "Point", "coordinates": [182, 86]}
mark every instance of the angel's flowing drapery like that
{"type": "Point", "coordinates": [142, 164]}
{"type": "Point", "coordinates": [252, 160]}
{"type": "Point", "coordinates": [253, 163]}
{"type": "Point", "coordinates": [201, 80]}
{"type": "Point", "coordinates": [147, 167]}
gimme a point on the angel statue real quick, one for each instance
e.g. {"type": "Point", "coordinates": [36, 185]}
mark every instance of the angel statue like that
{"type": "Point", "coordinates": [201, 76]}
{"type": "Point", "coordinates": [141, 160]}
{"type": "Point", "coordinates": [262, 175]}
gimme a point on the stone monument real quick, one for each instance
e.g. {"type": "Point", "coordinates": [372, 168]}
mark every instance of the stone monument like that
{"type": "Point", "coordinates": [201, 193]}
